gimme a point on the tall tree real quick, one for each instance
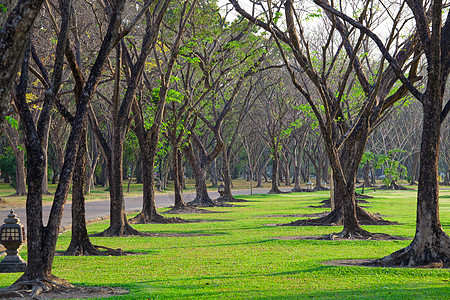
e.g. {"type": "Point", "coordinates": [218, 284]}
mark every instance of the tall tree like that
{"type": "Point", "coordinates": [431, 245]}
{"type": "Point", "coordinates": [41, 240]}
{"type": "Point", "coordinates": [148, 134]}
{"type": "Point", "coordinates": [345, 131]}
{"type": "Point", "coordinates": [119, 225]}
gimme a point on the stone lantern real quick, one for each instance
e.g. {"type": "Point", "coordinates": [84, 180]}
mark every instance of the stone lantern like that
{"type": "Point", "coordinates": [12, 235]}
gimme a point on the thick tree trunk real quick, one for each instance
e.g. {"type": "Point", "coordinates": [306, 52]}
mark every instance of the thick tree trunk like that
{"type": "Point", "coordinates": [118, 222]}
{"type": "Point", "coordinates": [275, 162]}
{"type": "Point", "coordinates": [202, 198]}
{"type": "Point", "coordinates": [431, 245]}
{"type": "Point", "coordinates": [80, 243]}
{"type": "Point", "coordinates": [346, 211]}
{"type": "Point", "coordinates": [148, 213]}
{"type": "Point", "coordinates": [16, 24]}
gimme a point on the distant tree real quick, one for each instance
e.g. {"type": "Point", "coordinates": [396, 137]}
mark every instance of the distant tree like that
{"type": "Point", "coordinates": [11, 128]}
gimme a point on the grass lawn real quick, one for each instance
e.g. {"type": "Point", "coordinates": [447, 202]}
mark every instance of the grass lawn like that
{"type": "Point", "coordinates": [235, 257]}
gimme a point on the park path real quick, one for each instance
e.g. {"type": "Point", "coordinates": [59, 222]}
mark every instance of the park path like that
{"type": "Point", "coordinates": [99, 209]}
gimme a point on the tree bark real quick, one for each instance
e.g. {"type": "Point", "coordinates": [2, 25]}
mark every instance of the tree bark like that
{"type": "Point", "coordinates": [14, 33]}
{"type": "Point", "coordinates": [275, 162]}
{"type": "Point", "coordinates": [148, 213]}
{"type": "Point", "coordinates": [80, 243]}
{"type": "Point", "coordinates": [178, 187]}
{"type": "Point", "coordinates": [227, 195]}
{"type": "Point", "coordinates": [202, 197]}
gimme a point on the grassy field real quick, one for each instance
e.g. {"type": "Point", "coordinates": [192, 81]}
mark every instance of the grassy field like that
{"type": "Point", "coordinates": [232, 255]}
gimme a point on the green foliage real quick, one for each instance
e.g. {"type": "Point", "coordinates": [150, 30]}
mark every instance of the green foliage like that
{"type": "Point", "coordinates": [392, 168]}
{"type": "Point", "coordinates": [314, 15]}
{"type": "Point", "coordinates": [8, 165]}
{"type": "Point", "coordinates": [13, 122]}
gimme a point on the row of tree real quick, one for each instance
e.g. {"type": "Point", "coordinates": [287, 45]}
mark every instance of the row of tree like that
{"type": "Point", "coordinates": [161, 82]}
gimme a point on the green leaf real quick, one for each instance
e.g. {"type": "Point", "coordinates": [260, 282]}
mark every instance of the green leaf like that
{"type": "Point", "coordinates": [13, 122]}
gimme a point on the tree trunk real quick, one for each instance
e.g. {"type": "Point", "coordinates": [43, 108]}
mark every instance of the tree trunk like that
{"type": "Point", "coordinates": [227, 195]}
{"type": "Point", "coordinates": [275, 161]}
{"type": "Point", "coordinates": [177, 183]}
{"type": "Point", "coordinates": [202, 198]}
{"type": "Point", "coordinates": [14, 140]}
{"type": "Point", "coordinates": [148, 213]}
{"type": "Point", "coordinates": [118, 222]}
{"type": "Point", "coordinates": [431, 245]}
{"type": "Point", "coordinates": [45, 178]}
{"type": "Point", "coordinates": [90, 176]}
{"type": "Point", "coordinates": [21, 188]}
{"type": "Point", "coordinates": [80, 243]}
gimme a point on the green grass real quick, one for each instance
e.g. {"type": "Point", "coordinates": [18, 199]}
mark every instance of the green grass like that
{"type": "Point", "coordinates": [240, 260]}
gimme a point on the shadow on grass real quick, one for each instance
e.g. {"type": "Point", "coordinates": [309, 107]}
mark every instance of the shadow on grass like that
{"type": "Point", "coordinates": [209, 288]}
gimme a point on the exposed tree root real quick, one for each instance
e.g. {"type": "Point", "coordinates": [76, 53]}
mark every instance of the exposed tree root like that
{"type": "Point", "coordinates": [197, 202]}
{"type": "Point", "coordinates": [88, 249]}
{"type": "Point", "coordinates": [230, 199]}
{"type": "Point", "coordinates": [366, 218]}
{"type": "Point", "coordinates": [188, 210]}
{"type": "Point", "coordinates": [33, 288]}
{"type": "Point", "coordinates": [202, 202]}
{"type": "Point", "coordinates": [277, 191]}
{"type": "Point", "coordinates": [38, 291]}
{"type": "Point", "coordinates": [362, 196]}
{"type": "Point", "coordinates": [15, 195]}
{"type": "Point", "coordinates": [419, 254]}
{"type": "Point", "coordinates": [320, 188]}
{"type": "Point", "coordinates": [335, 218]}
{"type": "Point", "coordinates": [142, 218]}
{"type": "Point", "coordinates": [393, 187]}
{"type": "Point", "coordinates": [116, 231]}
{"type": "Point", "coordinates": [327, 203]}
{"type": "Point", "coordinates": [358, 234]}
{"type": "Point", "coordinates": [300, 190]}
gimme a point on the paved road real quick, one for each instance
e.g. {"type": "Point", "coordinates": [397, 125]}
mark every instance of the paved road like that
{"type": "Point", "coordinates": [99, 209]}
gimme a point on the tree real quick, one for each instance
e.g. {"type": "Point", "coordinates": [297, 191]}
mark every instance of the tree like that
{"type": "Point", "coordinates": [153, 106]}
{"type": "Point", "coordinates": [15, 140]}
{"type": "Point", "coordinates": [224, 56]}
{"type": "Point", "coordinates": [41, 240]}
{"type": "Point", "coordinates": [350, 108]}
{"type": "Point", "coordinates": [431, 245]}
